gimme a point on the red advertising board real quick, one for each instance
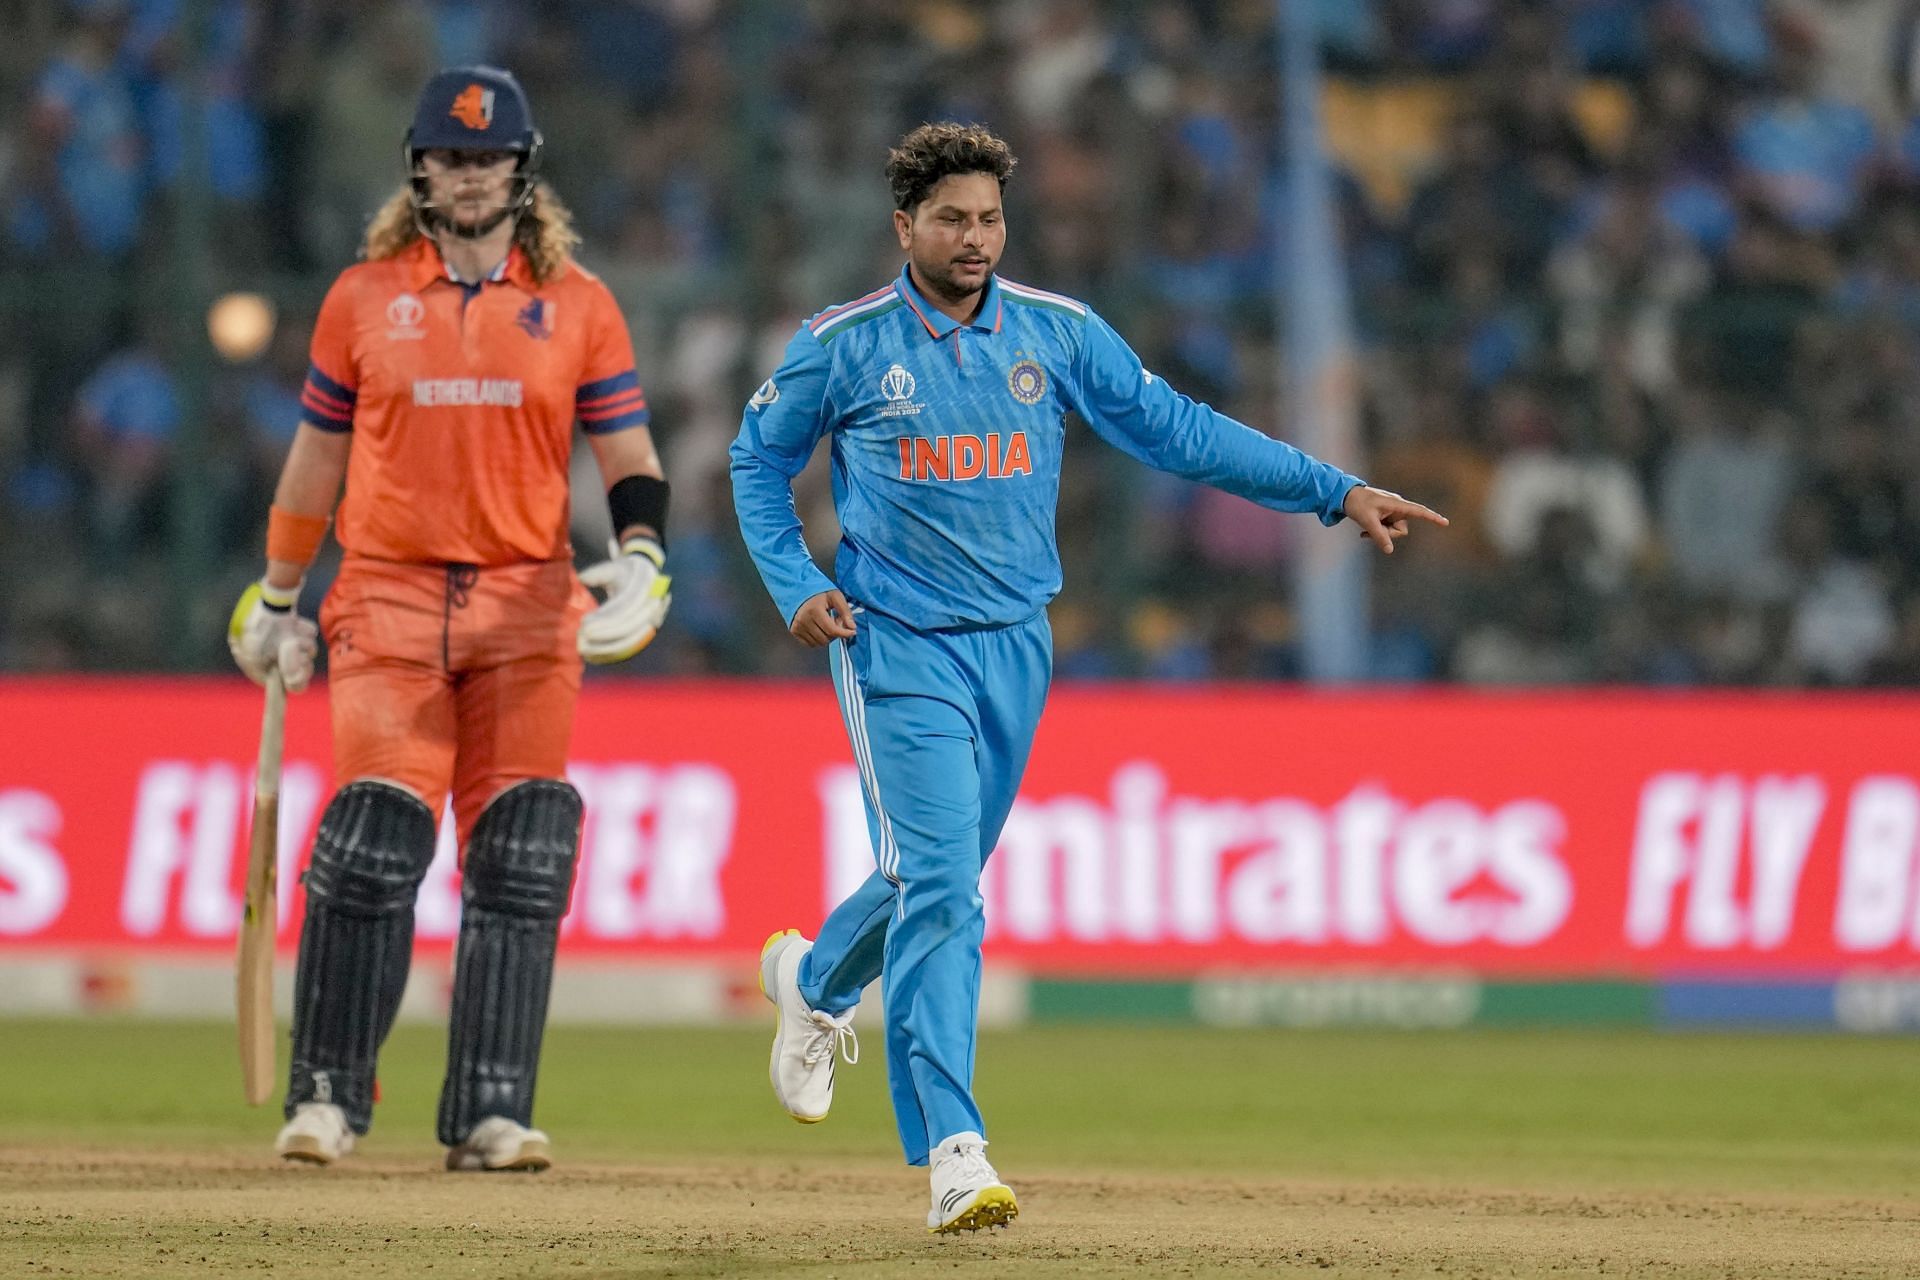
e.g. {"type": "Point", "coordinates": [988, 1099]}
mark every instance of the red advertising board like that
{"type": "Point", "coordinates": [1160, 830]}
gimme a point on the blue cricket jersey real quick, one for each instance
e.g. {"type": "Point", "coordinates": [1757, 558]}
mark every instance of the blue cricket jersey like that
{"type": "Point", "coordinates": [947, 444]}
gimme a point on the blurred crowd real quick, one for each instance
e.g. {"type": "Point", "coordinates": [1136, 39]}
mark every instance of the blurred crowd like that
{"type": "Point", "coordinates": [1636, 287]}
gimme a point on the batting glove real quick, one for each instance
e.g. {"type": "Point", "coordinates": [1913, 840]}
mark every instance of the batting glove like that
{"type": "Point", "coordinates": [637, 590]}
{"type": "Point", "coordinates": [265, 632]}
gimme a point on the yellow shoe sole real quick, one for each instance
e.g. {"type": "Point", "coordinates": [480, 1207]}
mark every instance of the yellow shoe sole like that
{"type": "Point", "coordinates": [993, 1207]}
{"type": "Point", "coordinates": [760, 974]}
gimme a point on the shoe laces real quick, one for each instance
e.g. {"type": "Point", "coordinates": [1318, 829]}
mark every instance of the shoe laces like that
{"type": "Point", "coordinates": [830, 1033]}
{"type": "Point", "coordinates": [966, 1163]}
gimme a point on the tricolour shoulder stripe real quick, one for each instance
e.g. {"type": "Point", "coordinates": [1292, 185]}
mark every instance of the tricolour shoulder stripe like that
{"type": "Point", "coordinates": [1040, 297]}
{"type": "Point", "coordinates": [833, 315]}
{"type": "Point", "coordinates": [854, 319]}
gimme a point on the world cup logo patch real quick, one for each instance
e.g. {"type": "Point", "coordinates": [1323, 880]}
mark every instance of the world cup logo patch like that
{"type": "Point", "coordinates": [1027, 381]}
{"type": "Point", "coordinates": [404, 315]}
{"type": "Point", "coordinates": [896, 384]}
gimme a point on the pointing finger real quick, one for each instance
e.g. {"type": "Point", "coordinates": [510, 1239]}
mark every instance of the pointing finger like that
{"type": "Point", "coordinates": [1404, 509]}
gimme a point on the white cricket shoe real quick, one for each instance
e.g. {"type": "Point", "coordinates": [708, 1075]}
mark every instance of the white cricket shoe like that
{"type": "Point", "coordinates": [804, 1039]}
{"type": "Point", "coordinates": [967, 1193]}
{"type": "Point", "coordinates": [498, 1144]}
{"type": "Point", "coordinates": [317, 1134]}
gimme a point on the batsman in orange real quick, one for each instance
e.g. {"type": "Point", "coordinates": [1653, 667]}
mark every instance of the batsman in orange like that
{"type": "Point", "coordinates": [449, 368]}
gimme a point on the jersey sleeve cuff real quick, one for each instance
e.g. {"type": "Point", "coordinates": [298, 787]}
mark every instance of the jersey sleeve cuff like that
{"type": "Point", "coordinates": [790, 609]}
{"type": "Point", "coordinates": [1336, 509]}
{"type": "Point", "coordinates": [620, 422]}
{"type": "Point", "coordinates": [327, 404]}
{"type": "Point", "coordinates": [611, 404]}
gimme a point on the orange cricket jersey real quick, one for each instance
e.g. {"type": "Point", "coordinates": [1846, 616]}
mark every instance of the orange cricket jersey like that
{"type": "Point", "coordinates": [461, 400]}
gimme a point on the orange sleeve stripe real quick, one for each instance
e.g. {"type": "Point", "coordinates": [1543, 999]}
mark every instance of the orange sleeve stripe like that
{"type": "Point", "coordinates": [325, 401]}
{"type": "Point", "coordinates": [331, 412]}
{"type": "Point", "coordinates": [329, 404]}
{"type": "Point", "coordinates": [612, 404]}
{"type": "Point", "coordinates": [625, 380]}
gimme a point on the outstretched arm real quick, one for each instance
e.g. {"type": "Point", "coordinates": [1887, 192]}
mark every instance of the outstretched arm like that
{"type": "Point", "coordinates": [1142, 416]}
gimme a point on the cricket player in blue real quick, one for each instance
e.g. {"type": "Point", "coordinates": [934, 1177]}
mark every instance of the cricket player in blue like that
{"type": "Point", "coordinates": [944, 395]}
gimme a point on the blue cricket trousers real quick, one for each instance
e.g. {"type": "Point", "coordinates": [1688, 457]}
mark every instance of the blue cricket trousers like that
{"type": "Point", "coordinates": [941, 724]}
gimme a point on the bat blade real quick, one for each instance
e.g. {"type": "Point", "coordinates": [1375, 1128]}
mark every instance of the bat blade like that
{"type": "Point", "coordinates": [253, 981]}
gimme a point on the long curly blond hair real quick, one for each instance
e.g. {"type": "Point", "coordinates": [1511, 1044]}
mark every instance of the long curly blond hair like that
{"type": "Point", "coordinates": [545, 231]}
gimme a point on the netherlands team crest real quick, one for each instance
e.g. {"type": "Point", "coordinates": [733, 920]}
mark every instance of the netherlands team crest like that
{"type": "Point", "coordinates": [474, 107]}
{"type": "Point", "coordinates": [536, 318]}
{"type": "Point", "coordinates": [1027, 381]}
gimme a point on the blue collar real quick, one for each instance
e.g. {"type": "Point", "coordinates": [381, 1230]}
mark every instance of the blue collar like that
{"type": "Point", "coordinates": [938, 323]}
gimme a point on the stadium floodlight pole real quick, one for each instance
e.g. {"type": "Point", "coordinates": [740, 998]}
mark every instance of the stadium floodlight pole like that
{"type": "Point", "coordinates": [189, 496]}
{"type": "Point", "coordinates": [1321, 410]}
{"type": "Point", "coordinates": [753, 44]}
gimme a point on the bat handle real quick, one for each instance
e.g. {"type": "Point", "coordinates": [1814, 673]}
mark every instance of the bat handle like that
{"type": "Point", "coordinates": [273, 723]}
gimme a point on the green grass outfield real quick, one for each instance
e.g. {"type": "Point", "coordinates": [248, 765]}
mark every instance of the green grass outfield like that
{"type": "Point", "coordinates": [1569, 1108]}
{"type": "Point", "coordinates": [125, 1150]}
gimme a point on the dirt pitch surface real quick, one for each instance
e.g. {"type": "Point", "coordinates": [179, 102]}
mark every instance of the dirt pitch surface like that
{"type": "Point", "coordinates": [151, 1213]}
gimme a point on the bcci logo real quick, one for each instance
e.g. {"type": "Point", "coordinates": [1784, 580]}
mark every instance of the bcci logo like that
{"type": "Point", "coordinates": [897, 385]}
{"type": "Point", "coordinates": [404, 313]}
{"type": "Point", "coordinates": [1027, 381]}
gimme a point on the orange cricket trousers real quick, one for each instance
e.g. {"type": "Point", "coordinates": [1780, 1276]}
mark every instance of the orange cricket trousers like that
{"type": "Point", "coordinates": [453, 677]}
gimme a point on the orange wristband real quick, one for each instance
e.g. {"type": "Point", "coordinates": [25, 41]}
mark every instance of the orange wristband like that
{"type": "Point", "coordinates": [293, 537]}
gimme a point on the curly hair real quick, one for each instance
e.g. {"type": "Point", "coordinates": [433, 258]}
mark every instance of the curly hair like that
{"type": "Point", "coordinates": [545, 231]}
{"type": "Point", "coordinates": [934, 152]}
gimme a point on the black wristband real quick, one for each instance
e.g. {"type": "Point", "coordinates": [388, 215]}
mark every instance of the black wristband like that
{"type": "Point", "coordinates": [639, 500]}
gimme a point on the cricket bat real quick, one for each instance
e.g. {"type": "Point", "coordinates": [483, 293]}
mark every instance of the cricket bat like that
{"type": "Point", "coordinates": [253, 988]}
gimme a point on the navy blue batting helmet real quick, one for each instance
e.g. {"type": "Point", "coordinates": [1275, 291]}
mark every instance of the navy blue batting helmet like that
{"type": "Point", "coordinates": [473, 109]}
